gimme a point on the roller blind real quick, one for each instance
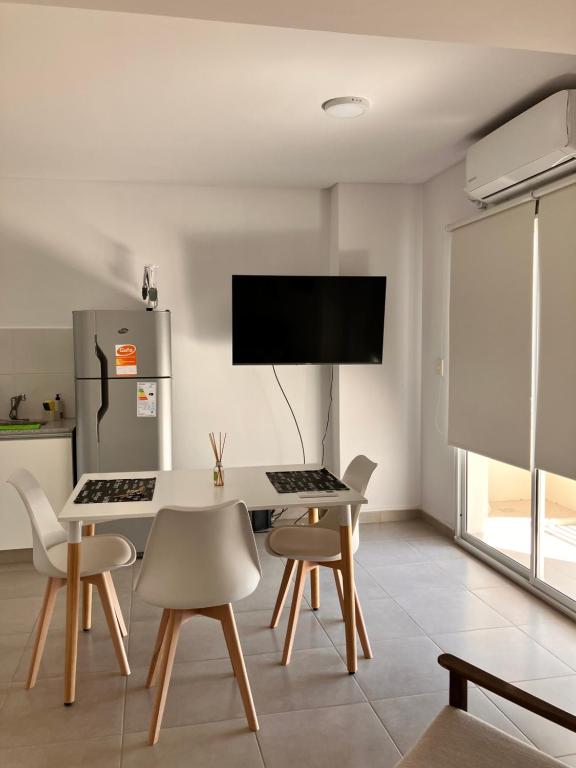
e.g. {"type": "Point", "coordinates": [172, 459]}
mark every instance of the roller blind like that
{"type": "Point", "coordinates": [491, 335]}
{"type": "Point", "coordinates": [555, 438]}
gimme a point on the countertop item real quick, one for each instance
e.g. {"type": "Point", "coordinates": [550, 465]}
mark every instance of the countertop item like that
{"type": "Point", "coordinates": [58, 428]}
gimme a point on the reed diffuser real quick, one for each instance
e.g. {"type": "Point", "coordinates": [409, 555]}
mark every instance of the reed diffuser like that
{"type": "Point", "coordinates": [218, 449]}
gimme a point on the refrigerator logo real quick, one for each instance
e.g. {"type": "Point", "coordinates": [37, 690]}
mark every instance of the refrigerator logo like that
{"type": "Point", "coordinates": [126, 360]}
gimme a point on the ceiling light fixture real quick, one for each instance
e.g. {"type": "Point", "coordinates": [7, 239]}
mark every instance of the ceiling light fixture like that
{"type": "Point", "coordinates": [346, 106]}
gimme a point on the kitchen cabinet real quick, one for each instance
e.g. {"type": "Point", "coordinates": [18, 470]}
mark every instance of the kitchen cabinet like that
{"type": "Point", "coordinates": [50, 460]}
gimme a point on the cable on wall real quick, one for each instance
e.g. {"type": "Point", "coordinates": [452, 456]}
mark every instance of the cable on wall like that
{"type": "Point", "coordinates": [328, 414]}
{"type": "Point", "coordinates": [293, 414]}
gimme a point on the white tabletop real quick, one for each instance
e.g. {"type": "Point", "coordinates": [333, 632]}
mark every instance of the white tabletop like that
{"type": "Point", "coordinates": [195, 488]}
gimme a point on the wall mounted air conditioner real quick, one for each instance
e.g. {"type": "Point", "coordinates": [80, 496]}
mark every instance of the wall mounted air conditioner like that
{"type": "Point", "coordinates": [536, 147]}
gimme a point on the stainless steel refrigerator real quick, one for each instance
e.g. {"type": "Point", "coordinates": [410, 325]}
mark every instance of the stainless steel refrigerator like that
{"type": "Point", "coordinates": [123, 372]}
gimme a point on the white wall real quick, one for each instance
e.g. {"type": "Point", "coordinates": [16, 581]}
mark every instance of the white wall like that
{"type": "Point", "coordinates": [377, 231]}
{"type": "Point", "coordinates": [444, 202]}
{"type": "Point", "coordinates": [68, 245]}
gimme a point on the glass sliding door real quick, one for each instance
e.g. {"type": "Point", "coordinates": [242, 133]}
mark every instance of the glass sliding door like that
{"type": "Point", "coordinates": [499, 507]}
{"type": "Point", "coordinates": [556, 565]}
{"type": "Point", "coordinates": [531, 532]}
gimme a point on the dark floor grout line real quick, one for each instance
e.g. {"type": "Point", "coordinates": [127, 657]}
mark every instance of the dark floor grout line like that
{"type": "Point", "coordinates": [371, 703]}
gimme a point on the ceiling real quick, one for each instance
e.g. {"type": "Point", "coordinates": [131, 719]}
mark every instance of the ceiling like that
{"type": "Point", "coordinates": [131, 97]}
{"type": "Point", "coordinates": [549, 26]}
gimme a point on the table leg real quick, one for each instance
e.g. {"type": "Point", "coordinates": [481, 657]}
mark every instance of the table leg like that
{"type": "Point", "coordinates": [349, 596]}
{"type": "Point", "coordinates": [72, 610]}
{"type": "Point", "coordinates": [89, 530]}
{"type": "Point", "coordinates": [315, 572]}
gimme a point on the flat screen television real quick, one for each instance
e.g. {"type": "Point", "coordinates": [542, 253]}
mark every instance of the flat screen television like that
{"type": "Point", "coordinates": [292, 320]}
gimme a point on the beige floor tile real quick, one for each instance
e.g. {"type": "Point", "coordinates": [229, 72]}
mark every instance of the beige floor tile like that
{"type": "Point", "coordinates": [401, 529]}
{"type": "Point", "coordinates": [27, 583]}
{"type": "Point", "coordinates": [95, 753]}
{"type": "Point", "coordinates": [409, 578]}
{"type": "Point", "coordinates": [11, 650]}
{"type": "Point", "coordinates": [367, 587]}
{"type": "Point", "coordinates": [332, 737]}
{"type": "Point", "coordinates": [314, 678]}
{"type": "Point", "coordinates": [569, 760]}
{"type": "Point", "coordinates": [227, 744]}
{"type": "Point", "coordinates": [384, 619]}
{"type": "Point", "coordinates": [18, 615]}
{"type": "Point", "coordinates": [505, 652]}
{"type": "Point", "coordinates": [449, 610]}
{"type": "Point", "coordinates": [394, 552]}
{"type": "Point", "coordinates": [256, 637]}
{"type": "Point", "coordinates": [472, 573]}
{"type": "Point", "coordinates": [407, 718]}
{"type": "Point", "coordinates": [547, 736]}
{"type": "Point", "coordinates": [441, 548]}
{"type": "Point", "coordinates": [516, 604]}
{"type": "Point", "coordinates": [142, 611]}
{"type": "Point", "coordinates": [95, 654]}
{"type": "Point", "coordinates": [40, 717]}
{"type": "Point", "coordinates": [400, 667]}
{"type": "Point", "coordinates": [200, 692]}
{"type": "Point", "coordinates": [557, 633]}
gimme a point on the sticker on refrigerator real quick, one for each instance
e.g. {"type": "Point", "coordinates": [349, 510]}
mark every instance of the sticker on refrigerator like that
{"type": "Point", "coordinates": [146, 399]}
{"type": "Point", "coordinates": [126, 360]}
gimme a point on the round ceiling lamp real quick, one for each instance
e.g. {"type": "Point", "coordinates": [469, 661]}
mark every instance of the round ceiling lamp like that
{"type": "Point", "coordinates": [346, 106]}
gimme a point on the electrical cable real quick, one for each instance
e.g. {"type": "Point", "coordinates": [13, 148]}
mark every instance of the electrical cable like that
{"type": "Point", "coordinates": [328, 415]}
{"type": "Point", "coordinates": [293, 415]}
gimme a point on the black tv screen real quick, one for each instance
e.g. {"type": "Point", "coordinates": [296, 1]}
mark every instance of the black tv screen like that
{"type": "Point", "coordinates": [292, 320]}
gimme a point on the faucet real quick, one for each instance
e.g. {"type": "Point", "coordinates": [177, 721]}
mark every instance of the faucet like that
{"type": "Point", "coordinates": [14, 405]}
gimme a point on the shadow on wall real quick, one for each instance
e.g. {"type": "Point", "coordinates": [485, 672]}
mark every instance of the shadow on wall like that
{"type": "Point", "coordinates": [209, 263]}
{"type": "Point", "coordinates": [41, 287]}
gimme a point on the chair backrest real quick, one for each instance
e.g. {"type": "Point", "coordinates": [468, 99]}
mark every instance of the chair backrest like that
{"type": "Point", "coordinates": [199, 557]}
{"type": "Point", "coordinates": [46, 530]}
{"type": "Point", "coordinates": [357, 476]}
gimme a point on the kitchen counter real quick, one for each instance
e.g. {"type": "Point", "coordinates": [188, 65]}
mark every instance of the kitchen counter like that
{"type": "Point", "coordinates": [59, 428]}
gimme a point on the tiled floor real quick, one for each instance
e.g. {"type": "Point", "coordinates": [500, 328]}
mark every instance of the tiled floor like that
{"type": "Point", "coordinates": [421, 595]}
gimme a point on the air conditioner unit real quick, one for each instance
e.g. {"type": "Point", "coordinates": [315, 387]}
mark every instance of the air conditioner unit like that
{"type": "Point", "coordinates": [536, 147]}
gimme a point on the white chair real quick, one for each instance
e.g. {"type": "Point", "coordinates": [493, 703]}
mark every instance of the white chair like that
{"type": "Point", "coordinates": [456, 739]}
{"type": "Point", "coordinates": [320, 544]}
{"type": "Point", "coordinates": [197, 562]}
{"type": "Point", "coordinates": [99, 556]}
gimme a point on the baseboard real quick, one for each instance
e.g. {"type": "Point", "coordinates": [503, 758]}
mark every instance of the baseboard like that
{"type": "Point", "coordinates": [15, 556]}
{"type": "Point", "coordinates": [388, 515]}
{"type": "Point", "coordinates": [442, 528]}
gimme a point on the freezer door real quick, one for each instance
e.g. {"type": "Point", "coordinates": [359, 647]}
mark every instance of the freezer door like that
{"type": "Point", "coordinates": [122, 344]}
{"type": "Point", "coordinates": [125, 426]}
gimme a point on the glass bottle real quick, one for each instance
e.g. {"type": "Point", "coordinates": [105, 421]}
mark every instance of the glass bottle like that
{"type": "Point", "coordinates": [218, 474]}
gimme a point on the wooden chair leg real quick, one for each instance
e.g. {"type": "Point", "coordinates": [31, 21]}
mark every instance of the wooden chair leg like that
{"type": "Point", "coordinates": [282, 593]}
{"type": "Point", "coordinates": [108, 606]}
{"type": "Point", "coordinates": [294, 611]}
{"type": "Point", "coordinates": [157, 648]}
{"type": "Point", "coordinates": [360, 623]}
{"type": "Point", "coordinates": [313, 516]}
{"type": "Point", "coordinates": [237, 659]}
{"type": "Point", "coordinates": [348, 592]}
{"type": "Point", "coordinates": [87, 530]}
{"type": "Point", "coordinates": [361, 626]}
{"type": "Point", "coordinates": [171, 641]}
{"type": "Point", "coordinates": [116, 604]}
{"type": "Point", "coordinates": [50, 594]}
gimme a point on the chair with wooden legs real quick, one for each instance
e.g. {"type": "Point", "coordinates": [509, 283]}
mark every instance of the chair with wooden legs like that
{"type": "Point", "coordinates": [326, 543]}
{"type": "Point", "coordinates": [99, 556]}
{"type": "Point", "coordinates": [197, 563]}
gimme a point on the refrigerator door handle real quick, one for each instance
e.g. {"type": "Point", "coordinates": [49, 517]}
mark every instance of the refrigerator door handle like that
{"type": "Point", "coordinates": [103, 386]}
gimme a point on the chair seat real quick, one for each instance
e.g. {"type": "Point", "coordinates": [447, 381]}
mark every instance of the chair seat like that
{"type": "Point", "coordinates": [300, 542]}
{"type": "Point", "coordinates": [456, 739]}
{"type": "Point", "coordinates": [98, 554]}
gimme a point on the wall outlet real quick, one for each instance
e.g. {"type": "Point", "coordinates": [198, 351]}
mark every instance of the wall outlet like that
{"type": "Point", "coordinates": [440, 366]}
